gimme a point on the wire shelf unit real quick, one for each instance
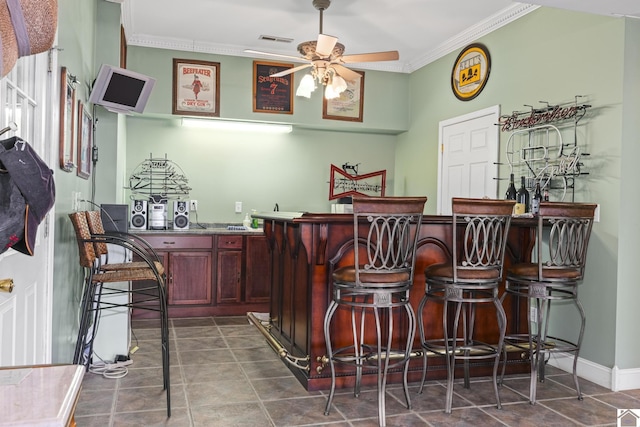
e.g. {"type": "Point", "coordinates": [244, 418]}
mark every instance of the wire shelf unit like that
{"type": "Point", "coordinates": [158, 180]}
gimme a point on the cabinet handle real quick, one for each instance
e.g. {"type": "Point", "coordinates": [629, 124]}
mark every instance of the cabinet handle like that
{"type": "Point", "coordinates": [168, 243]}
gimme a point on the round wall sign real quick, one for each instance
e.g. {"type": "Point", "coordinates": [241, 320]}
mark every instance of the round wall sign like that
{"type": "Point", "coordinates": [470, 72]}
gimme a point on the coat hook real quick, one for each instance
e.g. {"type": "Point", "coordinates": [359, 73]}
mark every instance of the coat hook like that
{"type": "Point", "coordinates": [11, 127]}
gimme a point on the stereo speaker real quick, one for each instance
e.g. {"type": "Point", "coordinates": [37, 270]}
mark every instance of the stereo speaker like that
{"type": "Point", "coordinates": [180, 215]}
{"type": "Point", "coordinates": [139, 215]}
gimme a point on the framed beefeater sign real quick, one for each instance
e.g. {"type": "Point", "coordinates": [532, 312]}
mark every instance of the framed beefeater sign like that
{"type": "Point", "coordinates": [272, 94]}
{"type": "Point", "coordinates": [196, 88]}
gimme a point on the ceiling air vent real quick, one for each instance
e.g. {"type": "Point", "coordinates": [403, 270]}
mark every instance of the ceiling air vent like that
{"type": "Point", "coordinates": [275, 39]}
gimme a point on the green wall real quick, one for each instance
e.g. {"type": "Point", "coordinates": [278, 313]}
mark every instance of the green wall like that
{"type": "Point", "coordinates": [76, 39]}
{"type": "Point", "coordinates": [549, 55]}
{"type": "Point", "coordinates": [110, 129]}
{"type": "Point", "coordinates": [385, 94]}
{"type": "Point", "coordinates": [627, 349]}
{"type": "Point", "coordinates": [291, 170]}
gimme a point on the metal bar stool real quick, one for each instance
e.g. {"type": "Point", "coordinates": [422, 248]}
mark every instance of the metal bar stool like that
{"type": "Point", "coordinates": [562, 238]}
{"type": "Point", "coordinates": [479, 232]}
{"type": "Point", "coordinates": [378, 283]}
{"type": "Point", "coordinates": [150, 296]}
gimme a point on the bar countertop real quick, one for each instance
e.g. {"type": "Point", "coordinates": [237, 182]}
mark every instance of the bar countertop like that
{"type": "Point", "coordinates": [39, 395]}
{"type": "Point", "coordinates": [205, 229]}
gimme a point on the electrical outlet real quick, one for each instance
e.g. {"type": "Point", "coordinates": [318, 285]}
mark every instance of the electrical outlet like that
{"type": "Point", "coordinates": [238, 207]}
{"type": "Point", "coordinates": [193, 205]}
{"type": "Point", "coordinates": [533, 314]}
{"type": "Point", "coordinates": [76, 196]}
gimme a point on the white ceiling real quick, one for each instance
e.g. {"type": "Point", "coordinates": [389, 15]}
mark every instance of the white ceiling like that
{"type": "Point", "coordinates": [421, 30]}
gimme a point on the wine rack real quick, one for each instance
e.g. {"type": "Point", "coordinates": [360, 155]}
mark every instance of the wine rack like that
{"type": "Point", "coordinates": [543, 146]}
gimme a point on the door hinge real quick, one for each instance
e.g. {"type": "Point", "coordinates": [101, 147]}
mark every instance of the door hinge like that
{"type": "Point", "coordinates": [46, 226]}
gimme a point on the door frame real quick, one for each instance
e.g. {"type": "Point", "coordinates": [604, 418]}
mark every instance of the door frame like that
{"type": "Point", "coordinates": [493, 110]}
{"type": "Point", "coordinates": [36, 349]}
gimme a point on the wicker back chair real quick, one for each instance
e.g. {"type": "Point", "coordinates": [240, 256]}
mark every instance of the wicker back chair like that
{"type": "Point", "coordinates": [103, 282]}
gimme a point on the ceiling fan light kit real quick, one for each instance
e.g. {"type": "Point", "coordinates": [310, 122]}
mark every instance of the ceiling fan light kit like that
{"type": "Point", "coordinates": [325, 56]}
{"type": "Point", "coordinates": [307, 85]}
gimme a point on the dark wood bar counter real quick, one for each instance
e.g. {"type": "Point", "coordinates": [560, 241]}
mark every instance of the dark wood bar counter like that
{"type": "Point", "coordinates": [305, 249]}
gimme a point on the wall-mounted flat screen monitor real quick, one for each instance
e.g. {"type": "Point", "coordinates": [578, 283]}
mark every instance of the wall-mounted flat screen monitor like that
{"type": "Point", "coordinates": [121, 90]}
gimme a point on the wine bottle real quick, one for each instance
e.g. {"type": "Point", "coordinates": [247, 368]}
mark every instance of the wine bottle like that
{"type": "Point", "coordinates": [511, 190]}
{"type": "Point", "coordinates": [522, 198]}
{"type": "Point", "coordinates": [545, 195]}
{"type": "Point", "coordinates": [537, 198]}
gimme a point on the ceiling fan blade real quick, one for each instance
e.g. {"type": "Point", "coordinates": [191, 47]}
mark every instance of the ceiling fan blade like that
{"type": "Point", "coordinates": [345, 73]}
{"type": "Point", "coordinates": [391, 55]}
{"type": "Point", "coordinates": [293, 58]}
{"type": "Point", "coordinates": [291, 70]}
{"type": "Point", "coordinates": [325, 45]}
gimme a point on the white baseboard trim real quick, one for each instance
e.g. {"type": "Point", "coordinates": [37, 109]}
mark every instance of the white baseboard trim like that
{"type": "Point", "coordinates": [625, 379]}
{"type": "Point", "coordinates": [614, 379]}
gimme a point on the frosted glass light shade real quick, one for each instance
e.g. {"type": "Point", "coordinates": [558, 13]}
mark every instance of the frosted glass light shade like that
{"type": "Point", "coordinates": [307, 85]}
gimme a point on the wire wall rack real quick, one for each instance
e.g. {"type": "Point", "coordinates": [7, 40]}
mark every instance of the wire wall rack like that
{"type": "Point", "coordinates": [544, 146]}
{"type": "Point", "coordinates": [159, 180]}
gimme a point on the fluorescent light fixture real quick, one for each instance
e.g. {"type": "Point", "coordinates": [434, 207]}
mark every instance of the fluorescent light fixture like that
{"type": "Point", "coordinates": [235, 125]}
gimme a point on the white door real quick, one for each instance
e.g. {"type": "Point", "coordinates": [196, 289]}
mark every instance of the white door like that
{"type": "Point", "coordinates": [467, 161]}
{"type": "Point", "coordinates": [25, 313]}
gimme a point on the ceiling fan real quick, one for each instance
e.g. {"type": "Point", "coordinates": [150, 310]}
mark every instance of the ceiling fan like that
{"type": "Point", "coordinates": [325, 58]}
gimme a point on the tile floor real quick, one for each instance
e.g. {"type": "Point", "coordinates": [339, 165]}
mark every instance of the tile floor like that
{"type": "Point", "coordinates": [223, 373]}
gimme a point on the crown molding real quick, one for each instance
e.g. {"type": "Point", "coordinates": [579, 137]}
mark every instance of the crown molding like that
{"type": "Point", "coordinates": [471, 35]}
{"type": "Point", "coordinates": [483, 28]}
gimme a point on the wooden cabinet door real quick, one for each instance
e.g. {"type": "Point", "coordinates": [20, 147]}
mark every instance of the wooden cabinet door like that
{"type": "Point", "coordinates": [258, 270]}
{"type": "Point", "coordinates": [189, 278]}
{"type": "Point", "coordinates": [229, 277]}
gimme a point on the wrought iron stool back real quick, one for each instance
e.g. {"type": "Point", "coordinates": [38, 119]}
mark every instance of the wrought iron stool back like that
{"type": "Point", "coordinates": [479, 232]}
{"type": "Point", "coordinates": [562, 240]}
{"type": "Point", "coordinates": [385, 235]}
